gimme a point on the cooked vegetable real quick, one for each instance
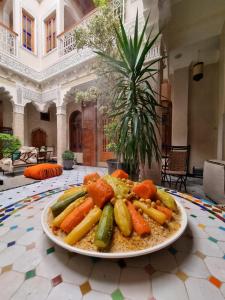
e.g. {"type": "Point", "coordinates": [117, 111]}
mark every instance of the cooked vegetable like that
{"type": "Point", "coordinates": [58, 207]}
{"type": "Point", "coordinates": [140, 225]}
{"type": "Point", "coordinates": [104, 231]}
{"type": "Point", "coordinates": [69, 192]}
{"type": "Point", "coordinates": [145, 189]}
{"type": "Point", "coordinates": [58, 220]}
{"type": "Point", "coordinates": [168, 212]}
{"type": "Point", "coordinates": [153, 213]}
{"type": "Point", "coordinates": [77, 215]}
{"type": "Point", "coordinates": [89, 178]}
{"type": "Point", "coordinates": [84, 226]}
{"type": "Point", "coordinates": [100, 192]}
{"type": "Point", "coordinates": [167, 199]}
{"type": "Point", "coordinates": [120, 174]}
{"type": "Point", "coordinates": [121, 190]}
{"type": "Point", "coordinates": [122, 217]}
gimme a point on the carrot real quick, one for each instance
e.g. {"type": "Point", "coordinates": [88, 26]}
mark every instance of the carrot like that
{"type": "Point", "coordinates": [166, 211]}
{"type": "Point", "coordinates": [93, 177]}
{"type": "Point", "coordinates": [120, 174]}
{"type": "Point", "coordinates": [140, 225]}
{"type": "Point", "coordinates": [100, 192]}
{"type": "Point", "coordinates": [77, 215]}
{"type": "Point", "coordinates": [145, 189]}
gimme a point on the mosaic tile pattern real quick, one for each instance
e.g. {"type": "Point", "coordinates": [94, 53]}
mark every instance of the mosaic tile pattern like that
{"type": "Point", "coordinates": [32, 267]}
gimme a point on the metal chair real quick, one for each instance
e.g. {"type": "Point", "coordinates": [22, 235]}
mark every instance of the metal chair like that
{"type": "Point", "coordinates": [176, 163]}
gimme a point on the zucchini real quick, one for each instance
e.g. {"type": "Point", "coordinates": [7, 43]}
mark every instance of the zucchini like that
{"type": "Point", "coordinates": [104, 231]}
{"type": "Point", "coordinates": [84, 226]}
{"type": "Point", "coordinates": [58, 207]}
{"type": "Point", "coordinates": [122, 217]}
{"type": "Point", "coordinates": [167, 200]}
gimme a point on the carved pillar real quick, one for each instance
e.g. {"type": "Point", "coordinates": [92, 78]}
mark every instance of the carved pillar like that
{"type": "Point", "coordinates": [61, 132]}
{"type": "Point", "coordinates": [60, 16]}
{"type": "Point", "coordinates": [18, 122]}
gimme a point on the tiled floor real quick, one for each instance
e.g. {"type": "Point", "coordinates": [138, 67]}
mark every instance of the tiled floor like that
{"type": "Point", "coordinates": [32, 267]}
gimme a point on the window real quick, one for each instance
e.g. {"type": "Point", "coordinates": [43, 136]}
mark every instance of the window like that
{"type": "Point", "coordinates": [50, 33]}
{"type": "Point", "coordinates": [28, 31]}
{"type": "Point", "coordinates": [45, 116]}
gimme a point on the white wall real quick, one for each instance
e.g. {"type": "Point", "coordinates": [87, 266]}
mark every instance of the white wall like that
{"type": "Point", "coordinates": [203, 116]}
{"type": "Point", "coordinates": [7, 113]}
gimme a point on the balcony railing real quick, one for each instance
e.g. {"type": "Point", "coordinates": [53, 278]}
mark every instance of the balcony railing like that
{"type": "Point", "coordinates": [154, 53]}
{"type": "Point", "coordinates": [8, 40]}
{"type": "Point", "coordinates": [66, 41]}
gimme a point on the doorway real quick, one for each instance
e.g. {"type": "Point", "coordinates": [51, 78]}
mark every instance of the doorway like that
{"type": "Point", "coordinates": [38, 138]}
{"type": "Point", "coordinates": [76, 131]}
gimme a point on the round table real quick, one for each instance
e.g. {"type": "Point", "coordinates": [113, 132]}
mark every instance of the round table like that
{"type": "Point", "coordinates": [32, 267]}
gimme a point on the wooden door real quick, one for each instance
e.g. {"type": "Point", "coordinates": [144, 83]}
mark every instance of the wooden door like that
{"type": "Point", "coordinates": [76, 131]}
{"type": "Point", "coordinates": [103, 140]}
{"type": "Point", "coordinates": [89, 134]}
{"type": "Point", "coordinates": [38, 138]}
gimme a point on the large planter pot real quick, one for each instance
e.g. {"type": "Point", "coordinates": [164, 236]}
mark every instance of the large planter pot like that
{"type": "Point", "coordinates": [68, 164]}
{"type": "Point", "coordinates": [113, 164]}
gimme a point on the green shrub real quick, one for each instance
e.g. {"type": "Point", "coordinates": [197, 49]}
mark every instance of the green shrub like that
{"type": "Point", "coordinates": [68, 155]}
{"type": "Point", "coordinates": [8, 144]}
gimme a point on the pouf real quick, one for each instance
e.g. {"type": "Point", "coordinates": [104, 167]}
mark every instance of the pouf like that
{"type": "Point", "coordinates": [43, 171]}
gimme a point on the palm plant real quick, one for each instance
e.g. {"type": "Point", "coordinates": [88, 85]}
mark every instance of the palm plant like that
{"type": "Point", "coordinates": [134, 102]}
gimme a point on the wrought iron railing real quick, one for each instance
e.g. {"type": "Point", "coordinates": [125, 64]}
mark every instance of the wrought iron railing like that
{"type": "Point", "coordinates": [8, 40]}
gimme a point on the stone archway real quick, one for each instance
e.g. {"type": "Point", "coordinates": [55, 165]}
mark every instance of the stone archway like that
{"type": "Point", "coordinates": [6, 111]}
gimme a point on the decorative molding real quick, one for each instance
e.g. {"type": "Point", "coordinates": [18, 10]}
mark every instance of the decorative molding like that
{"type": "Point", "coordinates": [19, 109]}
{"type": "Point", "coordinates": [61, 110]}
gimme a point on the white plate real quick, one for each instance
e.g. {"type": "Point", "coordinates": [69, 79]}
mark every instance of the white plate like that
{"type": "Point", "coordinates": [155, 248]}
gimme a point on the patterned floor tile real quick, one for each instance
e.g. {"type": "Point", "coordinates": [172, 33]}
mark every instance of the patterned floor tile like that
{"type": "Point", "coordinates": [117, 295]}
{"type": "Point", "coordinates": [180, 274]}
{"type": "Point", "coordinates": [7, 268]}
{"type": "Point", "coordinates": [202, 289]}
{"type": "Point", "coordinates": [216, 233]}
{"type": "Point", "coordinates": [35, 288]}
{"type": "Point", "coordinates": [85, 287]}
{"type": "Point", "coordinates": [10, 255]}
{"type": "Point", "coordinates": [56, 280]}
{"type": "Point", "coordinates": [192, 265]}
{"type": "Point", "coordinates": [93, 295]}
{"type": "Point", "coordinates": [30, 274]}
{"type": "Point", "coordinates": [215, 281]}
{"type": "Point", "coordinates": [9, 283]}
{"type": "Point", "coordinates": [65, 291]}
{"type": "Point", "coordinates": [102, 280]}
{"type": "Point", "coordinates": [28, 260]}
{"type": "Point", "coordinates": [160, 284]}
{"type": "Point", "coordinates": [216, 266]}
{"type": "Point", "coordinates": [129, 276]}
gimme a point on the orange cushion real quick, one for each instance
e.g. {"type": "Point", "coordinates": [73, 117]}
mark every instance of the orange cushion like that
{"type": "Point", "coordinates": [43, 171]}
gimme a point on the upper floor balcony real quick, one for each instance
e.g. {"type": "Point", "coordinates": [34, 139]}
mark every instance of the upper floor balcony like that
{"type": "Point", "coordinates": [41, 44]}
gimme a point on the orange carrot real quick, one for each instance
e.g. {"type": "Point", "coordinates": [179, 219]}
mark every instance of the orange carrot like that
{"type": "Point", "coordinates": [93, 177]}
{"type": "Point", "coordinates": [166, 211]}
{"type": "Point", "coordinates": [140, 225]}
{"type": "Point", "coordinates": [100, 192]}
{"type": "Point", "coordinates": [145, 189]}
{"type": "Point", "coordinates": [120, 174]}
{"type": "Point", "coordinates": [77, 215]}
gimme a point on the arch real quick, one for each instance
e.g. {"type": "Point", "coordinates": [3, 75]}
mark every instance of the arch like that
{"type": "Point", "coordinates": [6, 111]}
{"type": "Point", "coordinates": [75, 129]}
{"type": "Point", "coordinates": [38, 138]}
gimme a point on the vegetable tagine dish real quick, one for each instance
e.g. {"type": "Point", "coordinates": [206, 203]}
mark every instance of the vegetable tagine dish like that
{"type": "Point", "coordinates": [114, 214]}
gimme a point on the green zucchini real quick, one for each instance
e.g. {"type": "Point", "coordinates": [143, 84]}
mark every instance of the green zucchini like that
{"type": "Point", "coordinates": [104, 230]}
{"type": "Point", "coordinates": [58, 207]}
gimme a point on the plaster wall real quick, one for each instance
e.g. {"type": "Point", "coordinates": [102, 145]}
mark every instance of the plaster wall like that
{"type": "Point", "coordinates": [33, 121]}
{"type": "Point", "coordinates": [203, 117]}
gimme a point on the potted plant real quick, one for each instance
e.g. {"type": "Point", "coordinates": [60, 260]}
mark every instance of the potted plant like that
{"type": "Point", "coordinates": [134, 103]}
{"type": "Point", "coordinates": [110, 132]}
{"type": "Point", "coordinates": [68, 160]}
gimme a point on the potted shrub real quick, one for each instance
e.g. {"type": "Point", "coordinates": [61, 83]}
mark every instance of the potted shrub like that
{"type": "Point", "coordinates": [134, 103]}
{"type": "Point", "coordinates": [68, 160]}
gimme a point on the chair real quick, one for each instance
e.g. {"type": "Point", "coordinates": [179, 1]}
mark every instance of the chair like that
{"type": "Point", "coordinates": [176, 162]}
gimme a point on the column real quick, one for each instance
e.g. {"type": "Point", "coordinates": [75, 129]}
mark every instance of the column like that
{"type": "Point", "coordinates": [60, 16]}
{"type": "Point", "coordinates": [16, 16]}
{"type": "Point", "coordinates": [18, 122]}
{"type": "Point", "coordinates": [61, 132]}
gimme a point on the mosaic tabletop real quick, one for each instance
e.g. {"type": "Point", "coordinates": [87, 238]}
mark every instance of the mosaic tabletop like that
{"type": "Point", "coordinates": [32, 267]}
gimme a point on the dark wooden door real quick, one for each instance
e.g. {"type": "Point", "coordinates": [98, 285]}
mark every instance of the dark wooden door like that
{"type": "Point", "coordinates": [76, 131]}
{"type": "Point", "coordinates": [38, 138]}
{"type": "Point", "coordinates": [89, 135]}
